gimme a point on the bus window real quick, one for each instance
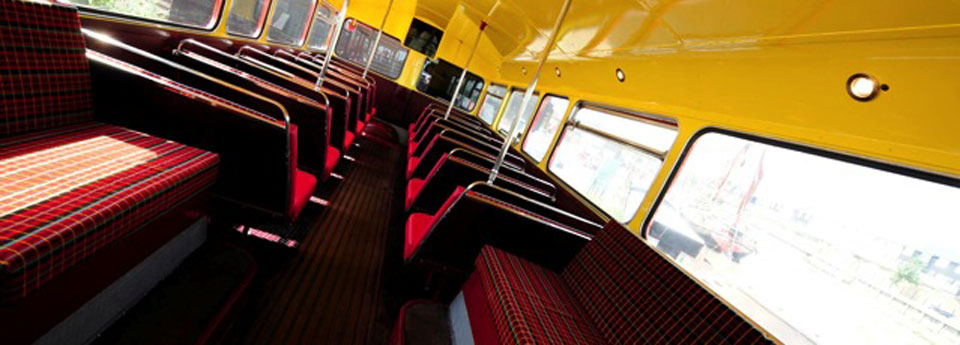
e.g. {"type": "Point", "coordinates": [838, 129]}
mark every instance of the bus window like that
{"type": "Point", "coordinates": [193, 13]}
{"type": "Point", "coordinates": [423, 38]}
{"type": "Point", "coordinates": [288, 23]}
{"type": "Point", "coordinates": [513, 107]}
{"type": "Point", "coordinates": [246, 17]}
{"type": "Point", "coordinates": [323, 23]}
{"type": "Point", "coordinates": [544, 126]}
{"type": "Point", "coordinates": [817, 250]}
{"type": "Point", "coordinates": [491, 103]}
{"type": "Point", "coordinates": [439, 78]}
{"type": "Point", "coordinates": [355, 41]}
{"type": "Point", "coordinates": [611, 158]}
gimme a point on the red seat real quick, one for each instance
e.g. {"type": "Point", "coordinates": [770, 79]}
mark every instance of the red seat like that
{"type": "Point", "coordinates": [616, 290]}
{"type": "Point", "coordinates": [525, 303]}
{"type": "Point", "coordinates": [419, 224]}
{"type": "Point", "coordinates": [70, 191]}
{"type": "Point", "coordinates": [413, 189]}
{"type": "Point", "coordinates": [348, 139]}
{"type": "Point", "coordinates": [72, 186]}
{"type": "Point", "coordinates": [412, 166]}
{"type": "Point", "coordinates": [360, 125]}
{"type": "Point", "coordinates": [302, 184]}
{"type": "Point", "coordinates": [333, 157]}
{"type": "Point", "coordinates": [415, 185]}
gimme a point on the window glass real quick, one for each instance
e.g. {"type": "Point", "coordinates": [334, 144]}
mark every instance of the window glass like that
{"type": "Point", "coordinates": [323, 23]}
{"type": "Point", "coordinates": [354, 45]}
{"type": "Point", "coordinates": [423, 37]}
{"type": "Point", "coordinates": [439, 78]}
{"type": "Point", "coordinates": [513, 107]}
{"type": "Point", "coordinates": [544, 126]}
{"type": "Point", "coordinates": [196, 13]}
{"type": "Point", "coordinates": [491, 103]}
{"type": "Point", "coordinates": [610, 171]}
{"type": "Point", "coordinates": [246, 17]}
{"type": "Point", "coordinates": [816, 250]}
{"type": "Point", "coordinates": [288, 23]}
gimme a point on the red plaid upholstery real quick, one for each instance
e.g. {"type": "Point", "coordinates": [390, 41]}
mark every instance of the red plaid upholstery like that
{"type": "Point", "coordinates": [633, 295]}
{"type": "Point", "coordinates": [530, 304]}
{"type": "Point", "coordinates": [617, 290]}
{"type": "Point", "coordinates": [44, 79]}
{"type": "Point", "coordinates": [69, 192]}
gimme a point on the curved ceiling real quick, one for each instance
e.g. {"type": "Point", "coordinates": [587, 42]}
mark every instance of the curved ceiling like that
{"type": "Point", "coordinates": [602, 28]}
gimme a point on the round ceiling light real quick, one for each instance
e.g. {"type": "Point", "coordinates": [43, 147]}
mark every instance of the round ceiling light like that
{"type": "Point", "coordinates": [557, 70]}
{"type": "Point", "coordinates": [620, 76]}
{"type": "Point", "coordinates": [863, 87]}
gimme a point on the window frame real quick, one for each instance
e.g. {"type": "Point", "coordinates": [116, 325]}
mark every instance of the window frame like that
{"type": "Point", "coordinates": [332, 22]}
{"type": "Point", "coordinates": [486, 93]}
{"type": "Point", "coordinates": [262, 28]}
{"type": "Point", "coordinates": [649, 118]}
{"type": "Point", "coordinates": [536, 114]}
{"type": "Point", "coordinates": [306, 29]}
{"type": "Point", "coordinates": [98, 12]}
{"type": "Point", "coordinates": [507, 97]}
{"type": "Point", "coordinates": [790, 145]}
{"type": "Point", "coordinates": [385, 35]}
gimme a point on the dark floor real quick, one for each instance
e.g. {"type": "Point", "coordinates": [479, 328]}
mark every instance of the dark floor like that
{"type": "Point", "coordinates": [330, 290]}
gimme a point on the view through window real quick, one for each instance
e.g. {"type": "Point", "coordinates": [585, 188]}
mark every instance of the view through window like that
{"type": "Point", "coordinates": [611, 158]}
{"type": "Point", "coordinates": [288, 23]}
{"type": "Point", "coordinates": [816, 250]}
{"type": "Point", "coordinates": [544, 126]}
{"type": "Point", "coordinates": [491, 103]}
{"type": "Point", "coordinates": [246, 17]}
{"type": "Point", "coordinates": [355, 42]}
{"type": "Point", "coordinates": [323, 23]}
{"type": "Point", "coordinates": [513, 108]}
{"type": "Point", "coordinates": [195, 13]}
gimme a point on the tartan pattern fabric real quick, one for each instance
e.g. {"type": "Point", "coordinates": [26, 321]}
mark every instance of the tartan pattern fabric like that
{"type": "Point", "coordinates": [635, 296]}
{"type": "Point", "coordinates": [530, 304]}
{"type": "Point", "coordinates": [66, 193]}
{"type": "Point", "coordinates": [44, 75]}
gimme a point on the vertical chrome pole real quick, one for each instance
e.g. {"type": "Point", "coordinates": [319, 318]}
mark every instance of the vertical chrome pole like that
{"type": "Point", "coordinates": [463, 75]}
{"type": "Point", "coordinates": [341, 17]}
{"type": "Point", "coordinates": [376, 42]}
{"type": "Point", "coordinates": [528, 95]}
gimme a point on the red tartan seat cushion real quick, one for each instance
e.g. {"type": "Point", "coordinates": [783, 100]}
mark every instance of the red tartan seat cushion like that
{"type": "Point", "coordinates": [70, 191]}
{"type": "Point", "coordinates": [528, 304]}
{"type": "Point", "coordinates": [632, 294]}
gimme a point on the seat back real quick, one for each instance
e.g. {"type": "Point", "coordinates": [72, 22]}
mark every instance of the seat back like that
{"type": "Point", "coordinates": [46, 76]}
{"type": "Point", "coordinates": [483, 214]}
{"type": "Point", "coordinates": [617, 272]}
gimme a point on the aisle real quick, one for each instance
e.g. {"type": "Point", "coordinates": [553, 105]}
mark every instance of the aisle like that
{"type": "Point", "coordinates": [330, 292]}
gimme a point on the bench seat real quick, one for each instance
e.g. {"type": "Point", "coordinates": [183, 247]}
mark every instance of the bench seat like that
{"type": "Point", "coordinates": [72, 190]}
{"type": "Point", "coordinates": [525, 303]}
{"type": "Point", "coordinates": [616, 290]}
